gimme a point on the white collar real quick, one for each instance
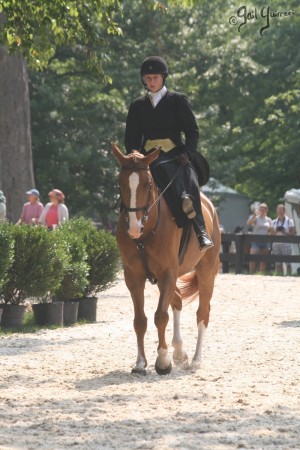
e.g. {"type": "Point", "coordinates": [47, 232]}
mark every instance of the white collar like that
{"type": "Point", "coordinates": [155, 97]}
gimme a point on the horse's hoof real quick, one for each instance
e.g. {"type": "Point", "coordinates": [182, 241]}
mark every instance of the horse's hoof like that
{"type": "Point", "coordinates": [196, 365]}
{"type": "Point", "coordinates": [138, 371]}
{"type": "Point", "coordinates": [163, 371]}
{"type": "Point", "coordinates": [180, 358]}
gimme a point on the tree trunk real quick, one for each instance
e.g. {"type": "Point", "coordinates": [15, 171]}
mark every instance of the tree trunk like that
{"type": "Point", "coordinates": [16, 167]}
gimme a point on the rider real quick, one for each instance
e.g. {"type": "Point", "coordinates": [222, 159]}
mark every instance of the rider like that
{"type": "Point", "coordinates": [158, 119]}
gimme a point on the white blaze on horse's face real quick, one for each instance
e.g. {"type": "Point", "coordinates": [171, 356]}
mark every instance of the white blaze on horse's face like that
{"type": "Point", "coordinates": [135, 226]}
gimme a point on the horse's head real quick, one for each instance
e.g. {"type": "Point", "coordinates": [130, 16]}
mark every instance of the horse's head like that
{"type": "Point", "coordinates": [136, 188]}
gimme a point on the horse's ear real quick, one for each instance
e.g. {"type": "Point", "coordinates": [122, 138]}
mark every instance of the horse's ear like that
{"type": "Point", "coordinates": [150, 158]}
{"type": "Point", "coordinates": [117, 153]}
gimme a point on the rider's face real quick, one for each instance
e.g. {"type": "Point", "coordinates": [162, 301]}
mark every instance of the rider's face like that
{"type": "Point", "coordinates": [154, 82]}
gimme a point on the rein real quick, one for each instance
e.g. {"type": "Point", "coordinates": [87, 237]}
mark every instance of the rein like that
{"type": "Point", "coordinates": [168, 185]}
{"type": "Point", "coordinates": [141, 247]}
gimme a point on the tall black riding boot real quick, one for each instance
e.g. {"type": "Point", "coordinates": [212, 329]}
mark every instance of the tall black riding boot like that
{"type": "Point", "coordinates": [204, 240]}
{"type": "Point", "coordinates": [198, 222]}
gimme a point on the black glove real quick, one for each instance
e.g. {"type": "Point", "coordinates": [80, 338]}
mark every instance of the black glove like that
{"type": "Point", "coordinates": [182, 159]}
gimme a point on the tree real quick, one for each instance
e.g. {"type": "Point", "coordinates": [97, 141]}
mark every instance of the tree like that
{"type": "Point", "coordinates": [74, 120]}
{"type": "Point", "coordinates": [244, 90]}
{"type": "Point", "coordinates": [34, 30]}
{"type": "Point", "coordinates": [16, 171]}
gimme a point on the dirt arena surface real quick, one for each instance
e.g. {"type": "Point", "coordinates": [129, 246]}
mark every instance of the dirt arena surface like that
{"type": "Point", "coordinates": [72, 387]}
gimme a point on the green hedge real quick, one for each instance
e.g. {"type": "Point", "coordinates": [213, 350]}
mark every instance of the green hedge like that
{"type": "Point", "coordinates": [103, 257]}
{"type": "Point", "coordinates": [75, 260]}
{"type": "Point", "coordinates": [6, 250]}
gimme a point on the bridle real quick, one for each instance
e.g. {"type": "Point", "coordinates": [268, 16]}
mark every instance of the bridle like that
{"type": "Point", "coordinates": [147, 208]}
{"type": "Point", "coordinates": [141, 242]}
{"type": "Point", "coordinates": [144, 208]}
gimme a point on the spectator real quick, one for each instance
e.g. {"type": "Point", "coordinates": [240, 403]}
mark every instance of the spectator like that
{"type": "Point", "coordinates": [32, 209]}
{"type": "Point", "coordinates": [55, 213]}
{"type": "Point", "coordinates": [261, 224]}
{"type": "Point", "coordinates": [282, 226]}
{"type": "Point", "coordinates": [2, 207]}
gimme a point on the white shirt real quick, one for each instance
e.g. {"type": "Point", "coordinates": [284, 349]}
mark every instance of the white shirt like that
{"type": "Point", "coordinates": [156, 97]}
{"type": "Point", "coordinates": [286, 223]}
{"type": "Point", "coordinates": [261, 224]}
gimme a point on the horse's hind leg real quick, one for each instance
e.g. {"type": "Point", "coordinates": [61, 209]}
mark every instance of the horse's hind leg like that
{"type": "Point", "coordinates": [179, 355]}
{"type": "Point", "coordinates": [136, 288]}
{"type": "Point", "coordinates": [205, 294]}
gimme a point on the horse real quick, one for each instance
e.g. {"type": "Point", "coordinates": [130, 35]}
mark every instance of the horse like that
{"type": "Point", "coordinates": [149, 242]}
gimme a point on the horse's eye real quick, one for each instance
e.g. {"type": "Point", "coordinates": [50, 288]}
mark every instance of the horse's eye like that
{"type": "Point", "coordinates": [147, 186]}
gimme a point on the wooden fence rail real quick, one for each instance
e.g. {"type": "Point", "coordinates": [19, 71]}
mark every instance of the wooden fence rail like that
{"type": "Point", "coordinates": [241, 256]}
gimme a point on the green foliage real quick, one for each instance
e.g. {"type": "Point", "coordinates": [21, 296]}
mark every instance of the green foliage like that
{"type": "Point", "coordinates": [73, 123]}
{"type": "Point", "coordinates": [6, 252]}
{"type": "Point", "coordinates": [38, 28]}
{"type": "Point", "coordinates": [243, 88]}
{"type": "Point", "coordinates": [37, 267]}
{"type": "Point", "coordinates": [102, 254]}
{"type": "Point", "coordinates": [74, 280]}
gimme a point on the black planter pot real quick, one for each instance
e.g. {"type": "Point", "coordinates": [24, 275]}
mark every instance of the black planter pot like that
{"type": "Point", "coordinates": [56, 313]}
{"type": "Point", "coordinates": [87, 309]}
{"type": "Point", "coordinates": [48, 313]}
{"type": "Point", "coordinates": [13, 316]}
{"type": "Point", "coordinates": [40, 313]}
{"type": "Point", "coordinates": [70, 312]}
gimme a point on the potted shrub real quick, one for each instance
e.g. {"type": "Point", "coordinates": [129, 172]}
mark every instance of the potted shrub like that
{"type": "Point", "coordinates": [103, 263]}
{"type": "Point", "coordinates": [74, 279]}
{"type": "Point", "coordinates": [36, 270]}
{"type": "Point", "coordinates": [6, 253]}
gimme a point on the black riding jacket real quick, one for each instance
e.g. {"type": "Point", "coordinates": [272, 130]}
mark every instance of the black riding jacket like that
{"type": "Point", "coordinates": [171, 118]}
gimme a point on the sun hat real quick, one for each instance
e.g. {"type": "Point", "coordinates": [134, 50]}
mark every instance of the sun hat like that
{"type": "Point", "coordinates": [33, 192]}
{"type": "Point", "coordinates": [57, 194]}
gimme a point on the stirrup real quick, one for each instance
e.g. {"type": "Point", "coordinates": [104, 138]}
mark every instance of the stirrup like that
{"type": "Point", "coordinates": [187, 206]}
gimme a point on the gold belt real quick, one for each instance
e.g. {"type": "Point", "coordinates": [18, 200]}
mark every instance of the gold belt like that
{"type": "Point", "coordinates": [166, 144]}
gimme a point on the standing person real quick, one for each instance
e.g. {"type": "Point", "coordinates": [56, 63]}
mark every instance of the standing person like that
{"type": "Point", "coordinates": [31, 210]}
{"type": "Point", "coordinates": [160, 119]}
{"type": "Point", "coordinates": [55, 213]}
{"type": "Point", "coordinates": [282, 226]}
{"type": "Point", "coordinates": [261, 224]}
{"type": "Point", "coordinates": [2, 207]}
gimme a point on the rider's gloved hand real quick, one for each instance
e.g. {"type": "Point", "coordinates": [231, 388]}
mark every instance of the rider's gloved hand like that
{"type": "Point", "coordinates": [183, 159]}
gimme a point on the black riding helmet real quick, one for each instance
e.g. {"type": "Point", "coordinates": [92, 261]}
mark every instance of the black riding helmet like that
{"type": "Point", "coordinates": [153, 65]}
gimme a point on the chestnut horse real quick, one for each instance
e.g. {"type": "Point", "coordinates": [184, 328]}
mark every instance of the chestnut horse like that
{"type": "Point", "coordinates": [149, 242]}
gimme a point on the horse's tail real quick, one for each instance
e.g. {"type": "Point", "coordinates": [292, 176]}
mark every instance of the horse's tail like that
{"type": "Point", "coordinates": [188, 286]}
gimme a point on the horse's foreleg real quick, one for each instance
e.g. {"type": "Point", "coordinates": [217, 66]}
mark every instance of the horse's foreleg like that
{"type": "Point", "coordinates": [140, 328]}
{"type": "Point", "coordinates": [179, 355]}
{"type": "Point", "coordinates": [167, 287]}
{"type": "Point", "coordinates": [136, 289]}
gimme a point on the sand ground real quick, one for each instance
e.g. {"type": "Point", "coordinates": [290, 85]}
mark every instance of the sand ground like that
{"type": "Point", "coordinates": [72, 387]}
